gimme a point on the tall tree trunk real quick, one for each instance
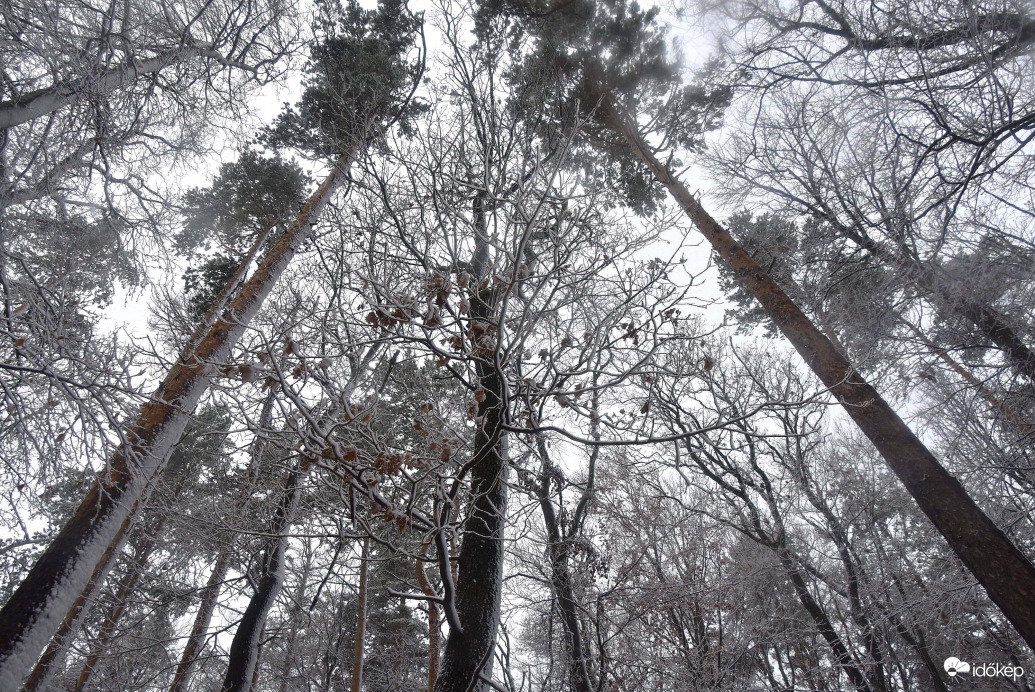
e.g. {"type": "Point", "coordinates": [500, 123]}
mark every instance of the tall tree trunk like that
{"type": "Point", "coordinates": [196, 639]}
{"type": "Point", "coordinates": [951, 296]}
{"type": "Point", "coordinates": [479, 582]}
{"type": "Point", "coordinates": [144, 544]}
{"type": "Point", "coordinates": [468, 652]}
{"type": "Point", "coordinates": [210, 594]}
{"type": "Point", "coordinates": [244, 649]}
{"type": "Point", "coordinates": [35, 610]}
{"type": "Point", "coordinates": [124, 591]}
{"type": "Point", "coordinates": [820, 619]}
{"type": "Point", "coordinates": [53, 655]}
{"type": "Point", "coordinates": [560, 582]}
{"type": "Point", "coordinates": [361, 619]}
{"type": "Point", "coordinates": [433, 621]}
{"type": "Point", "coordinates": [50, 660]}
{"type": "Point", "coordinates": [1006, 574]}
{"type": "Point", "coordinates": [42, 102]}
{"type": "Point", "coordinates": [295, 620]}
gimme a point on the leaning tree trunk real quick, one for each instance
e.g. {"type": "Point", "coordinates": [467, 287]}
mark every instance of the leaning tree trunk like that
{"type": "Point", "coordinates": [210, 593]}
{"type": "Point", "coordinates": [50, 661]}
{"type": "Point", "coordinates": [1009, 413]}
{"type": "Point", "coordinates": [479, 582]}
{"type": "Point", "coordinates": [820, 619]}
{"type": "Point", "coordinates": [196, 639]}
{"type": "Point", "coordinates": [244, 649]}
{"type": "Point", "coordinates": [126, 586]}
{"type": "Point", "coordinates": [144, 543]}
{"type": "Point", "coordinates": [1006, 574]}
{"type": "Point", "coordinates": [35, 610]}
{"type": "Point", "coordinates": [561, 583]}
{"type": "Point", "coordinates": [42, 102]}
{"type": "Point", "coordinates": [53, 655]}
{"type": "Point", "coordinates": [951, 296]}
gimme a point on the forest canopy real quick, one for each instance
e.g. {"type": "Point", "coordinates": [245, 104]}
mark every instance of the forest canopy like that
{"type": "Point", "coordinates": [524, 345]}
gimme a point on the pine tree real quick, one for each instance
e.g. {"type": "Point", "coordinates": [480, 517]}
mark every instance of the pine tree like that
{"type": "Point", "coordinates": [635, 78]}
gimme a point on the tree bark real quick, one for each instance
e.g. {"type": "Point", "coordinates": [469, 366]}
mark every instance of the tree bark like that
{"type": "Point", "coordinates": [469, 651]}
{"type": "Point", "coordinates": [433, 621]}
{"type": "Point", "coordinates": [123, 593]}
{"type": "Point", "coordinates": [36, 609]}
{"type": "Point", "coordinates": [560, 581]}
{"type": "Point", "coordinates": [196, 639]}
{"type": "Point", "coordinates": [822, 622]}
{"type": "Point", "coordinates": [244, 649]}
{"type": "Point", "coordinates": [210, 594]}
{"type": "Point", "coordinates": [361, 619]}
{"type": "Point", "coordinates": [45, 101]}
{"type": "Point", "coordinates": [53, 655]}
{"type": "Point", "coordinates": [1006, 574]}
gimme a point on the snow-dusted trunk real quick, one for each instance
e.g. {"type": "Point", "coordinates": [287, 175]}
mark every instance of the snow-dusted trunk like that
{"type": "Point", "coordinates": [295, 623]}
{"type": "Point", "coordinates": [473, 604]}
{"type": "Point", "coordinates": [468, 652]}
{"type": "Point", "coordinates": [361, 619]}
{"type": "Point", "coordinates": [244, 649]}
{"type": "Point", "coordinates": [196, 639]}
{"type": "Point", "coordinates": [564, 592]}
{"type": "Point", "coordinates": [433, 621]}
{"type": "Point", "coordinates": [210, 594]}
{"type": "Point", "coordinates": [35, 611]}
{"type": "Point", "coordinates": [951, 295]}
{"type": "Point", "coordinates": [1001, 568]}
{"type": "Point", "coordinates": [144, 538]}
{"type": "Point", "coordinates": [53, 656]}
{"type": "Point", "coordinates": [42, 102]}
{"type": "Point", "coordinates": [126, 586]}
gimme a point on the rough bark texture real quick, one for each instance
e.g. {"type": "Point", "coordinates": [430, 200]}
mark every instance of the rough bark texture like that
{"type": "Point", "coordinates": [244, 649]}
{"type": "Point", "coordinates": [1005, 573]}
{"type": "Point", "coordinates": [36, 609]}
{"type": "Point", "coordinates": [468, 653]}
{"type": "Point", "coordinates": [361, 619]}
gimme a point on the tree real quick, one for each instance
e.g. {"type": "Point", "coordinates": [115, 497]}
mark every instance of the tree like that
{"type": "Point", "coordinates": [30, 616]}
{"type": "Point", "coordinates": [942, 498]}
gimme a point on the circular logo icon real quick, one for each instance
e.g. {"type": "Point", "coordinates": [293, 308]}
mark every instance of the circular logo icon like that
{"type": "Point", "coordinates": [953, 666]}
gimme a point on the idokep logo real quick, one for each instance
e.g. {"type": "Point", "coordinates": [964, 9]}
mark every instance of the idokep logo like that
{"type": "Point", "coordinates": [954, 667]}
